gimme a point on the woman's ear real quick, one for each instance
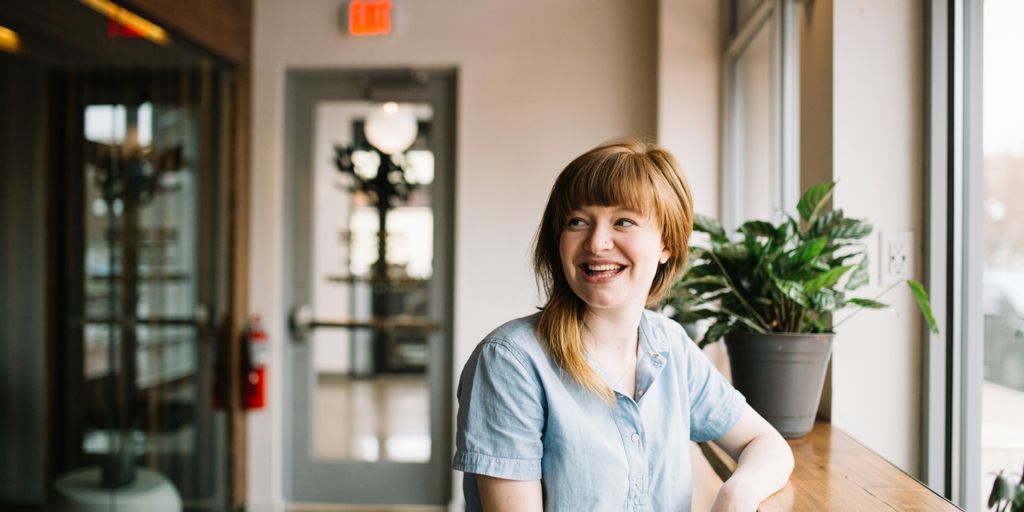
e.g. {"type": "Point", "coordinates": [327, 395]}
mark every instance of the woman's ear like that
{"type": "Point", "coordinates": [665, 255]}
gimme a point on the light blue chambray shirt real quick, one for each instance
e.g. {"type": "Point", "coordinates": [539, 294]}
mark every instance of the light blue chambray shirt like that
{"type": "Point", "coordinates": [521, 417]}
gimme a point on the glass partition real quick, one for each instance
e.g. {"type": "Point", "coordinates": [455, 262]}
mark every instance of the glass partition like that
{"type": "Point", "coordinates": [123, 129]}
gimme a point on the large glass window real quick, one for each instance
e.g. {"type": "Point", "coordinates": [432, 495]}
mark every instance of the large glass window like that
{"type": "Point", "coordinates": [760, 180]}
{"type": "Point", "coordinates": [1002, 389]}
{"type": "Point", "coordinates": [975, 382]}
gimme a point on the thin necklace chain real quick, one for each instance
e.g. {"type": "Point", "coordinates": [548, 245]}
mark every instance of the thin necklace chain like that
{"type": "Point", "coordinates": [629, 366]}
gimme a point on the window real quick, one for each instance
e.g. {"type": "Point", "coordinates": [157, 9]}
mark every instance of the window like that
{"type": "Point", "coordinates": [760, 178]}
{"type": "Point", "coordinates": [975, 387]}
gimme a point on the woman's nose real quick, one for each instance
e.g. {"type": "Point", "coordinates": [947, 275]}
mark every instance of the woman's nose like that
{"type": "Point", "coordinates": [599, 240]}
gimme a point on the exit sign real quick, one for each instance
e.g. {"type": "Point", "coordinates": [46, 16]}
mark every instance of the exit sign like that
{"type": "Point", "coordinates": [369, 17]}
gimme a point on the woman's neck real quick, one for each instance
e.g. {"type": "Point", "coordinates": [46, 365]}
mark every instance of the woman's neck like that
{"type": "Point", "coordinates": [612, 333]}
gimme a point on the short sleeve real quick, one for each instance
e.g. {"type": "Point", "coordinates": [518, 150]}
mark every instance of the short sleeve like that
{"type": "Point", "coordinates": [501, 414]}
{"type": "Point", "coordinates": [715, 406]}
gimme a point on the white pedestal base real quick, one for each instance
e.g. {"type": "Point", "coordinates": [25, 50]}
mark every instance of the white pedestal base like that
{"type": "Point", "coordinates": [80, 491]}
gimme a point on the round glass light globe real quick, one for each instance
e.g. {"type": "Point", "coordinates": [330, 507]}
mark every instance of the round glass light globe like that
{"type": "Point", "coordinates": [390, 128]}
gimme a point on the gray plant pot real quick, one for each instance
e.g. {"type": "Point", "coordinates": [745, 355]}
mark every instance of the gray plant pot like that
{"type": "Point", "coordinates": [781, 375]}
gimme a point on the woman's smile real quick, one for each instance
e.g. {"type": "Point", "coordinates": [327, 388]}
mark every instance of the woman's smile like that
{"type": "Point", "coordinates": [601, 272]}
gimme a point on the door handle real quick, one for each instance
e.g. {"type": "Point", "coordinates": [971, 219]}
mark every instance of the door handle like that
{"type": "Point", "coordinates": [301, 322]}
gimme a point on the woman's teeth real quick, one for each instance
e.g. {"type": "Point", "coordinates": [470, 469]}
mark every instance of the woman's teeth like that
{"type": "Point", "coordinates": [602, 269]}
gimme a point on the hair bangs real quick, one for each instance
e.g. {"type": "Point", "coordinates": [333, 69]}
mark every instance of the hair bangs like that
{"type": "Point", "coordinates": [621, 181]}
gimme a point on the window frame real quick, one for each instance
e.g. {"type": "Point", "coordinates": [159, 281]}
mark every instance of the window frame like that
{"type": "Point", "coordinates": [779, 16]}
{"type": "Point", "coordinates": [953, 369]}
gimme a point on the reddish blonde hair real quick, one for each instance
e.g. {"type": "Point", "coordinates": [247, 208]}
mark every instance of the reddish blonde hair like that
{"type": "Point", "coordinates": [626, 173]}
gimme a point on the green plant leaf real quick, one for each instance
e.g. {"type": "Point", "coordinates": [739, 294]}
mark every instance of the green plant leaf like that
{"type": "Point", "coordinates": [732, 252]}
{"type": "Point", "coordinates": [826, 279]}
{"type": "Point", "coordinates": [755, 246]}
{"type": "Point", "coordinates": [807, 252]}
{"type": "Point", "coordinates": [921, 296]}
{"type": "Point", "coordinates": [867, 303]}
{"type": "Point", "coordinates": [717, 330]}
{"type": "Point", "coordinates": [689, 316]}
{"type": "Point", "coordinates": [1018, 499]}
{"type": "Point", "coordinates": [839, 260]}
{"type": "Point", "coordinates": [704, 284]}
{"type": "Point", "coordinates": [814, 201]}
{"type": "Point", "coordinates": [794, 290]}
{"type": "Point", "coordinates": [755, 228]}
{"type": "Point", "coordinates": [824, 223]}
{"type": "Point", "coordinates": [784, 233]}
{"type": "Point", "coordinates": [690, 281]}
{"type": "Point", "coordinates": [703, 268]}
{"type": "Point", "coordinates": [823, 300]}
{"type": "Point", "coordinates": [710, 226]}
{"type": "Point", "coordinates": [698, 254]}
{"type": "Point", "coordinates": [859, 277]}
{"type": "Point", "coordinates": [1001, 490]}
{"type": "Point", "coordinates": [851, 229]}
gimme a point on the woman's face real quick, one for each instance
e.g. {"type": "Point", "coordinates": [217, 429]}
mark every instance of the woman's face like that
{"type": "Point", "coordinates": [610, 256]}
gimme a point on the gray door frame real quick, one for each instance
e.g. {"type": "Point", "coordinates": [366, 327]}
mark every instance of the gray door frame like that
{"type": "Point", "coordinates": [307, 479]}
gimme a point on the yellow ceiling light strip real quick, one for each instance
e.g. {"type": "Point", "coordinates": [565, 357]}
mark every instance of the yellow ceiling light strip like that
{"type": "Point", "coordinates": [9, 41]}
{"type": "Point", "coordinates": [123, 16]}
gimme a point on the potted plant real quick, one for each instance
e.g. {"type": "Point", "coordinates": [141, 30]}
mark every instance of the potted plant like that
{"type": "Point", "coordinates": [1007, 496]}
{"type": "Point", "coordinates": [770, 291]}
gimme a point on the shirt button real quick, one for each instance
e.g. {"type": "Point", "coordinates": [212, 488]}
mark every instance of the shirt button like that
{"type": "Point", "coordinates": [635, 437]}
{"type": "Point", "coordinates": [640, 392]}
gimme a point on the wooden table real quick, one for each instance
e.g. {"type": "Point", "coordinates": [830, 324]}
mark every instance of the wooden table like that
{"type": "Point", "coordinates": [836, 473]}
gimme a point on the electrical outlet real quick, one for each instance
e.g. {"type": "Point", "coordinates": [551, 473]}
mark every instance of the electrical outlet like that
{"type": "Point", "coordinates": [896, 258]}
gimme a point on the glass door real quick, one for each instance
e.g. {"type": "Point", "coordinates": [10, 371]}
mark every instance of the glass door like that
{"type": "Point", "coordinates": [370, 177]}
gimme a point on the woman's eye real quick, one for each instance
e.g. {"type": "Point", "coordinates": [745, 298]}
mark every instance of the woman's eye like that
{"type": "Point", "coordinates": [625, 222]}
{"type": "Point", "coordinates": [575, 222]}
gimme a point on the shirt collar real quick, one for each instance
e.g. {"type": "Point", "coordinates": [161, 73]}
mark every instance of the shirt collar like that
{"type": "Point", "coordinates": [649, 343]}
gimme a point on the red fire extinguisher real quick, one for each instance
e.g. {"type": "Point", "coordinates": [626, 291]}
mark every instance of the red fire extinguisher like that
{"type": "Point", "coordinates": [254, 385]}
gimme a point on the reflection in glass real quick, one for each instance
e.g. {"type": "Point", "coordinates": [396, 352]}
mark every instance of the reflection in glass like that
{"type": "Point", "coordinates": [142, 381]}
{"type": "Point", "coordinates": [371, 388]}
{"type": "Point", "coordinates": [1002, 425]}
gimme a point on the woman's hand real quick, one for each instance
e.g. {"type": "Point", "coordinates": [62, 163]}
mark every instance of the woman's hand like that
{"type": "Point", "coordinates": [501, 495]}
{"type": "Point", "coordinates": [731, 498]}
{"type": "Point", "coordinates": [763, 464]}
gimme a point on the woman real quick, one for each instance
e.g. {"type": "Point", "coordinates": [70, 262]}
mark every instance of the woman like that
{"type": "Point", "coordinates": [590, 403]}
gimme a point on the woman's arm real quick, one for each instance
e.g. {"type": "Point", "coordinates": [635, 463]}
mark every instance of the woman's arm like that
{"type": "Point", "coordinates": [501, 495]}
{"type": "Point", "coordinates": [763, 464]}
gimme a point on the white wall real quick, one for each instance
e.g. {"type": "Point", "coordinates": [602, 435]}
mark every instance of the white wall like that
{"type": "Point", "coordinates": [878, 144]}
{"type": "Point", "coordinates": [689, 85]}
{"type": "Point", "coordinates": [538, 83]}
